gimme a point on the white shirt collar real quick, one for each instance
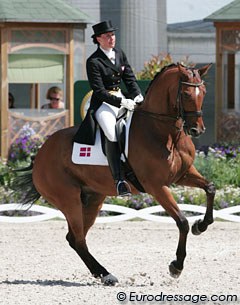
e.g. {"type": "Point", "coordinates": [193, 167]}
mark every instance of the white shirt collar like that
{"type": "Point", "coordinates": [110, 53]}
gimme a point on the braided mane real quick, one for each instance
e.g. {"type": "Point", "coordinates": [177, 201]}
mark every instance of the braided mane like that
{"type": "Point", "coordinates": [160, 72]}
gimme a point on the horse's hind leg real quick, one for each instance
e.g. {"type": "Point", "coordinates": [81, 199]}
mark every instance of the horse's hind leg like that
{"type": "Point", "coordinates": [167, 201]}
{"type": "Point", "coordinates": [194, 179]}
{"type": "Point", "coordinates": [80, 218]}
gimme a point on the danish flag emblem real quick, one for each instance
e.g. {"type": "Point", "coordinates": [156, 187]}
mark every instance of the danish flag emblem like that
{"type": "Point", "coordinates": [85, 152]}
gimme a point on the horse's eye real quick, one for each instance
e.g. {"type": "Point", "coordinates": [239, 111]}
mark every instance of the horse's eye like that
{"type": "Point", "coordinates": [186, 95]}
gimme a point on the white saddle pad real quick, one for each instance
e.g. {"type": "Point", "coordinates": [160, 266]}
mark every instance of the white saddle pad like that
{"type": "Point", "coordinates": [93, 154]}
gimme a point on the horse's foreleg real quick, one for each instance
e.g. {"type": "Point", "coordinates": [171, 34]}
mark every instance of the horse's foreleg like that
{"type": "Point", "coordinates": [80, 219]}
{"type": "Point", "coordinates": [167, 201]}
{"type": "Point", "coordinates": [194, 179]}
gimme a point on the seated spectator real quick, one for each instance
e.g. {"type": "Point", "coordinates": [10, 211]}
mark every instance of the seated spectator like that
{"type": "Point", "coordinates": [55, 96]}
{"type": "Point", "coordinates": [11, 100]}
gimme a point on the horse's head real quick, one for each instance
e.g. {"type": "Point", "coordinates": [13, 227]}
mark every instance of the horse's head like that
{"type": "Point", "coordinates": [190, 97]}
{"type": "Point", "coordinates": [177, 92]}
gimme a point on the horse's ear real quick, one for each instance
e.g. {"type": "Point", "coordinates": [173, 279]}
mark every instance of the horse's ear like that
{"type": "Point", "coordinates": [182, 69]}
{"type": "Point", "coordinates": [204, 70]}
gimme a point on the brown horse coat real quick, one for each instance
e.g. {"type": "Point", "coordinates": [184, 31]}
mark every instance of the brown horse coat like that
{"type": "Point", "coordinates": [161, 152]}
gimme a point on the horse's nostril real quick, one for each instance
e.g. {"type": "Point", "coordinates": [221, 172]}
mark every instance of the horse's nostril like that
{"type": "Point", "coordinates": [194, 132]}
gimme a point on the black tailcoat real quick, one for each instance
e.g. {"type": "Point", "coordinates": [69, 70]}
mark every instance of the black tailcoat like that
{"type": "Point", "coordinates": [104, 76]}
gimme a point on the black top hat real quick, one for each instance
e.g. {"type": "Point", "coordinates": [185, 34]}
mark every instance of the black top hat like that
{"type": "Point", "coordinates": [103, 27]}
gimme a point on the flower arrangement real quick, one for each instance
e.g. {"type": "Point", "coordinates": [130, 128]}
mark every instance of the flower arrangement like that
{"type": "Point", "coordinates": [219, 163]}
{"type": "Point", "coordinates": [225, 197]}
{"type": "Point", "coordinates": [19, 155]}
{"type": "Point", "coordinates": [135, 201]}
{"type": "Point", "coordinates": [25, 146]}
{"type": "Point", "coordinates": [156, 63]}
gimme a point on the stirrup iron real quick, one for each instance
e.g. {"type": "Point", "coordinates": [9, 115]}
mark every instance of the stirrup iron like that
{"type": "Point", "coordinates": [123, 188]}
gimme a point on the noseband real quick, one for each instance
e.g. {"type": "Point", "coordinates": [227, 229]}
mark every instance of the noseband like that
{"type": "Point", "coordinates": [182, 113]}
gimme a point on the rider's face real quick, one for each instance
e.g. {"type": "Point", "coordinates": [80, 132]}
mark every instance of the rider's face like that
{"type": "Point", "coordinates": [107, 40]}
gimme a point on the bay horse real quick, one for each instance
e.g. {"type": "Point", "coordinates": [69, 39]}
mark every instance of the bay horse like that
{"type": "Point", "coordinates": [161, 153]}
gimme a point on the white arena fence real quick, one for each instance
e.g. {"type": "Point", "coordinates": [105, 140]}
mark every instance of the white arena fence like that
{"type": "Point", "coordinates": [124, 213]}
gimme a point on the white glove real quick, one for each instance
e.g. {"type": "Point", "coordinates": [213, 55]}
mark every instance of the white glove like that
{"type": "Point", "coordinates": [127, 103]}
{"type": "Point", "coordinates": [138, 99]}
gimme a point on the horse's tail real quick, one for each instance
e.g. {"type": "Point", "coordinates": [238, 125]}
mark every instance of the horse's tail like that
{"type": "Point", "coordinates": [22, 184]}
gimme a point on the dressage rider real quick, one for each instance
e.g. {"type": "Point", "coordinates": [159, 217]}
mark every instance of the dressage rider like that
{"type": "Point", "coordinates": [106, 67]}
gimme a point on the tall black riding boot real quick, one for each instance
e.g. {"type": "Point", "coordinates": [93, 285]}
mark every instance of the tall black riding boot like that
{"type": "Point", "coordinates": [113, 156]}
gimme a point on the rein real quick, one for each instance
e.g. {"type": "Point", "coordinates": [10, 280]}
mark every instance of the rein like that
{"type": "Point", "coordinates": [161, 117]}
{"type": "Point", "coordinates": [158, 116]}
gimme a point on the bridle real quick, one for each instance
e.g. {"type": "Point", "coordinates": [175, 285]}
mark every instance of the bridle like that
{"type": "Point", "coordinates": [182, 114]}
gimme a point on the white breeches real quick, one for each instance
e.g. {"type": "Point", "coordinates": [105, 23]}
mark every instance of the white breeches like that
{"type": "Point", "coordinates": [106, 117]}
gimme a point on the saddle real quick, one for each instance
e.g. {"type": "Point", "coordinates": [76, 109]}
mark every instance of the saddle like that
{"type": "Point", "coordinates": [89, 147]}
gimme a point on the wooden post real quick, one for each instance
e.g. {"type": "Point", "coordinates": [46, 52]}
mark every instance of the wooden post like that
{"type": "Point", "coordinates": [70, 79]}
{"type": "Point", "coordinates": [37, 96]}
{"type": "Point", "coordinates": [219, 81]}
{"type": "Point", "coordinates": [4, 92]}
{"type": "Point", "coordinates": [231, 81]}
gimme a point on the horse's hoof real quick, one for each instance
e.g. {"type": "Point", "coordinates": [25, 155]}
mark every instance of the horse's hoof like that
{"type": "Point", "coordinates": [174, 272]}
{"type": "Point", "coordinates": [195, 228]}
{"type": "Point", "coordinates": [109, 280]}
